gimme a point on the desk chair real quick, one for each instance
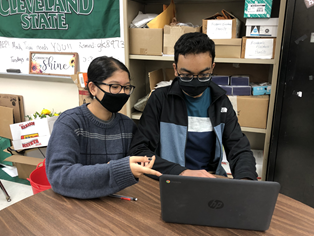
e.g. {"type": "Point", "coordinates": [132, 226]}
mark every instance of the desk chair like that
{"type": "Point", "coordinates": [5, 192]}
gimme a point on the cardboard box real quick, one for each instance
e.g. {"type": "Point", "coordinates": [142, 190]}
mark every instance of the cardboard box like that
{"type": "Point", "coordinates": [172, 34]}
{"type": "Point", "coordinates": [6, 119]}
{"type": "Point", "coordinates": [33, 133]}
{"type": "Point", "coordinates": [260, 90]}
{"type": "Point", "coordinates": [257, 8]}
{"type": "Point", "coordinates": [228, 89]}
{"type": "Point", "coordinates": [26, 164]}
{"type": "Point", "coordinates": [240, 80]}
{"type": "Point", "coordinates": [32, 128]}
{"type": "Point", "coordinates": [258, 48]}
{"type": "Point", "coordinates": [158, 76]}
{"type": "Point", "coordinates": [251, 110]}
{"type": "Point", "coordinates": [155, 77]}
{"type": "Point", "coordinates": [228, 48]}
{"type": "Point", "coordinates": [241, 90]}
{"type": "Point", "coordinates": [237, 90]}
{"type": "Point", "coordinates": [17, 103]}
{"type": "Point", "coordinates": [145, 41]}
{"type": "Point", "coordinates": [221, 28]}
{"type": "Point", "coordinates": [220, 79]}
{"type": "Point", "coordinates": [262, 27]}
{"type": "Point", "coordinates": [80, 79]}
{"type": "Point", "coordinates": [31, 142]}
{"type": "Point", "coordinates": [84, 97]}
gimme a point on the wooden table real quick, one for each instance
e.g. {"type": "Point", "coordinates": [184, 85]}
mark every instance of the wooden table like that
{"type": "Point", "coordinates": [48, 213]}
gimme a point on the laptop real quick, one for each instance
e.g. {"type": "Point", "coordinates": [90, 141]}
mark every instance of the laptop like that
{"type": "Point", "coordinates": [227, 203]}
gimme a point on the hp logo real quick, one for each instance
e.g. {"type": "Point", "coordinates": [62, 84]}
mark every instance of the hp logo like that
{"type": "Point", "coordinates": [216, 204]}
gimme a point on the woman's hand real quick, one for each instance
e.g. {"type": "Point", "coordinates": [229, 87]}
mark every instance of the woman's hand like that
{"type": "Point", "coordinates": [145, 166]}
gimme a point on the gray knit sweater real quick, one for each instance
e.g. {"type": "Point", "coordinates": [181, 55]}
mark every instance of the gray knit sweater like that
{"type": "Point", "coordinates": [79, 149]}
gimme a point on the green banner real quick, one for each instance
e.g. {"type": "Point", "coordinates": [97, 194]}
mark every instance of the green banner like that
{"type": "Point", "coordinates": [60, 19]}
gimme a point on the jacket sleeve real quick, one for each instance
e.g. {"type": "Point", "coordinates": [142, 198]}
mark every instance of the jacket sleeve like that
{"type": "Point", "coordinates": [146, 140]}
{"type": "Point", "coordinates": [237, 147]}
{"type": "Point", "coordinates": [69, 176]}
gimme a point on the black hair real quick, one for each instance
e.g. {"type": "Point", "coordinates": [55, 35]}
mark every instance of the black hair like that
{"type": "Point", "coordinates": [102, 68]}
{"type": "Point", "coordinates": [194, 43]}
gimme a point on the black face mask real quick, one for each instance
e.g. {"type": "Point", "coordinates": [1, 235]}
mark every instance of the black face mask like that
{"type": "Point", "coordinates": [194, 87]}
{"type": "Point", "coordinates": [113, 102]}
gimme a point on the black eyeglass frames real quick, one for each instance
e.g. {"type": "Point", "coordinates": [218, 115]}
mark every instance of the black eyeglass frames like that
{"type": "Point", "coordinates": [201, 77]}
{"type": "Point", "coordinates": [116, 88]}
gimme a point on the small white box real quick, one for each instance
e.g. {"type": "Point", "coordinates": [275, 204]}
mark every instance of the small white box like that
{"type": "Point", "coordinates": [262, 27]}
{"type": "Point", "coordinates": [32, 128]}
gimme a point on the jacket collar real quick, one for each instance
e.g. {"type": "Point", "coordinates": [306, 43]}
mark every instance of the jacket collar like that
{"type": "Point", "coordinates": [215, 90]}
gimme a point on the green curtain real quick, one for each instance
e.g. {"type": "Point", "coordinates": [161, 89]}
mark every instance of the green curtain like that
{"type": "Point", "coordinates": [60, 19]}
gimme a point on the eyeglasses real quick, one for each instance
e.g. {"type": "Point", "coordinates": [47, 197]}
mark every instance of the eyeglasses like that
{"type": "Point", "coordinates": [116, 88]}
{"type": "Point", "coordinates": [189, 77]}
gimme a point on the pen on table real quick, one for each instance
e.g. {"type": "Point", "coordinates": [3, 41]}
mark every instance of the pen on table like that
{"type": "Point", "coordinates": [123, 197]}
{"type": "Point", "coordinates": [7, 196]}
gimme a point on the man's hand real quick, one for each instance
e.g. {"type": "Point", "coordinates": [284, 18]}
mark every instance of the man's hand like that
{"type": "Point", "coordinates": [145, 166]}
{"type": "Point", "coordinates": [197, 173]}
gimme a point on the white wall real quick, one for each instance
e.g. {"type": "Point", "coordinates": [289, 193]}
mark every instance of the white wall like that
{"type": "Point", "coordinates": [41, 94]}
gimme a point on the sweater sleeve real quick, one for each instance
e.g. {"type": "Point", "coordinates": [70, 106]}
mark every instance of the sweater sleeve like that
{"type": "Point", "coordinates": [70, 178]}
{"type": "Point", "coordinates": [146, 139]}
{"type": "Point", "coordinates": [237, 147]}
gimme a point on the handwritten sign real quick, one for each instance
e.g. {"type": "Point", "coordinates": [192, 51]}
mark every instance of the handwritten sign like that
{"type": "Point", "coordinates": [259, 48]}
{"type": "Point", "coordinates": [15, 51]}
{"type": "Point", "coordinates": [219, 29]}
{"type": "Point", "coordinates": [52, 63]}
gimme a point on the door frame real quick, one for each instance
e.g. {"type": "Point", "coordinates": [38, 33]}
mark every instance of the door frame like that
{"type": "Point", "coordinates": [280, 91]}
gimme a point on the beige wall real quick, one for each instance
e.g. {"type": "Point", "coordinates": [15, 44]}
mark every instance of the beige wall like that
{"type": "Point", "coordinates": [41, 94]}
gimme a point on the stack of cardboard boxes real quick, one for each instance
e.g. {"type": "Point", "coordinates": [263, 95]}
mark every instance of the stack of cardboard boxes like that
{"type": "Point", "coordinates": [224, 29]}
{"type": "Point", "coordinates": [251, 110]}
{"type": "Point", "coordinates": [259, 42]}
{"type": "Point", "coordinates": [234, 85]}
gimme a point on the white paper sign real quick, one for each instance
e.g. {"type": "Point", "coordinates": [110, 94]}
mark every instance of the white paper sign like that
{"type": "Point", "coordinates": [219, 29]}
{"type": "Point", "coordinates": [259, 48]}
{"type": "Point", "coordinates": [256, 8]}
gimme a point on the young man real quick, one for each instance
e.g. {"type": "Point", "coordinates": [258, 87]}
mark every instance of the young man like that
{"type": "Point", "coordinates": [188, 125]}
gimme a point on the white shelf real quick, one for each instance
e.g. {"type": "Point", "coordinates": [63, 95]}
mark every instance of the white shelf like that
{"type": "Point", "coordinates": [253, 130]}
{"type": "Point", "coordinates": [137, 115]}
{"type": "Point", "coordinates": [219, 60]}
{"type": "Point", "coordinates": [49, 78]}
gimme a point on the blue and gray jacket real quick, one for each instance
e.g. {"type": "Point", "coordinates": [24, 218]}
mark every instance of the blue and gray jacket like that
{"type": "Point", "coordinates": [163, 128]}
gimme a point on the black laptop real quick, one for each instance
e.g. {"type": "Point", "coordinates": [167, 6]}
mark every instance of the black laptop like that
{"type": "Point", "coordinates": [227, 203]}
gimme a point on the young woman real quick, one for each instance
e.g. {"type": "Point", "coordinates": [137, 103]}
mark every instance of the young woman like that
{"type": "Point", "coordinates": [87, 151]}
